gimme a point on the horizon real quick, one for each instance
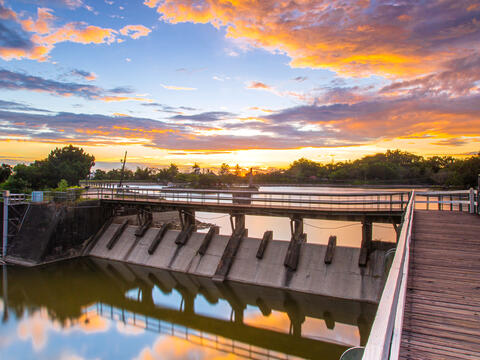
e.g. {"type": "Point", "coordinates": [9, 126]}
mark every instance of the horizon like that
{"type": "Point", "coordinates": [255, 84]}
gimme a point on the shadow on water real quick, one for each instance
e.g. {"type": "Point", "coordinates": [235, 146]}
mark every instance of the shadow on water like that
{"type": "Point", "coordinates": [248, 321]}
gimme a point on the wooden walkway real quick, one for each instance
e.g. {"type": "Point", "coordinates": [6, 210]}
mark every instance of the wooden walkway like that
{"type": "Point", "coordinates": [442, 310]}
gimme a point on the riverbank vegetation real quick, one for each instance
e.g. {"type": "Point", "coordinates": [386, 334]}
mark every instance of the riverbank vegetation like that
{"type": "Point", "coordinates": [69, 165]}
{"type": "Point", "coordinates": [390, 168]}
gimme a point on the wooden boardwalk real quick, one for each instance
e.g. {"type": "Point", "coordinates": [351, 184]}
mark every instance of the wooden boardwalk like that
{"type": "Point", "coordinates": [442, 309]}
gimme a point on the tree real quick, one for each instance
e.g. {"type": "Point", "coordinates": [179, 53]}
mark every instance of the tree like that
{"type": "Point", "coordinates": [5, 171]}
{"type": "Point", "coordinates": [224, 169]}
{"type": "Point", "coordinates": [69, 163]}
{"type": "Point", "coordinates": [237, 171]}
{"type": "Point", "coordinates": [196, 168]}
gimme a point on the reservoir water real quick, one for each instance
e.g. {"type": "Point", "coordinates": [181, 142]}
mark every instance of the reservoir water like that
{"type": "Point", "coordinates": [95, 309]}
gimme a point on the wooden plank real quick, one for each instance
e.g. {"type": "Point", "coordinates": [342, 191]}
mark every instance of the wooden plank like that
{"type": "Point", "coordinates": [142, 229]}
{"type": "Point", "coordinates": [156, 240]}
{"type": "Point", "coordinates": [293, 252]}
{"type": "Point", "coordinates": [442, 312]}
{"type": "Point", "coordinates": [267, 237]}
{"type": "Point", "coordinates": [117, 235]}
{"type": "Point", "coordinates": [228, 255]}
{"type": "Point", "coordinates": [214, 230]}
{"type": "Point", "coordinates": [332, 243]}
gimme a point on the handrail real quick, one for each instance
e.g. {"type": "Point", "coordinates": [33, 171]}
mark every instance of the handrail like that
{"type": "Point", "coordinates": [225, 191]}
{"type": "Point", "coordinates": [379, 201]}
{"type": "Point", "coordinates": [383, 342]}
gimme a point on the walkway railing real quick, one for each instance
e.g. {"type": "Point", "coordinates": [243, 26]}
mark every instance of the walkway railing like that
{"type": "Point", "coordinates": [376, 201]}
{"type": "Point", "coordinates": [460, 200]}
{"type": "Point", "coordinates": [384, 340]}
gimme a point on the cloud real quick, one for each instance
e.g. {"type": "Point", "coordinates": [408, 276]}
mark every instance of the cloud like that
{"type": "Point", "coordinates": [300, 78]}
{"type": "Point", "coordinates": [204, 117]}
{"type": "Point", "coordinates": [258, 85]}
{"type": "Point", "coordinates": [10, 105]}
{"type": "Point", "coordinates": [395, 38]}
{"type": "Point", "coordinates": [178, 88]}
{"type": "Point", "coordinates": [169, 109]}
{"type": "Point", "coordinates": [10, 80]}
{"type": "Point", "coordinates": [35, 38]}
{"type": "Point", "coordinates": [84, 74]}
{"type": "Point", "coordinates": [135, 31]}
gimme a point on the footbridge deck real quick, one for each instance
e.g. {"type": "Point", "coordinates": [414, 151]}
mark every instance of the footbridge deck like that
{"type": "Point", "coordinates": [429, 307]}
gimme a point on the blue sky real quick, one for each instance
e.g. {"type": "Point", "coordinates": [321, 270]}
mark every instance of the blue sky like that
{"type": "Point", "coordinates": [259, 83]}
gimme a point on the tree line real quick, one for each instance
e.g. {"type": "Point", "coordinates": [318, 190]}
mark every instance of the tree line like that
{"type": "Point", "coordinates": [67, 166]}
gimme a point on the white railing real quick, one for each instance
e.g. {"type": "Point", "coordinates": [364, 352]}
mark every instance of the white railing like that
{"type": "Point", "coordinates": [384, 340]}
{"type": "Point", "coordinates": [375, 201]}
{"type": "Point", "coordinates": [460, 200]}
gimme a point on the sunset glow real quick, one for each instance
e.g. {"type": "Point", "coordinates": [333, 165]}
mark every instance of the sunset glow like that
{"type": "Point", "coordinates": [258, 83]}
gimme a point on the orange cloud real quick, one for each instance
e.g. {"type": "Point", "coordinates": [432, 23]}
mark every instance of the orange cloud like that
{"type": "Point", "coordinates": [258, 85]}
{"type": "Point", "coordinates": [122, 98]}
{"type": "Point", "coordinates": [135, 31]}
{"type": "Point", "coordinates": [44, 35]}
{"type": "Point", "coordinates": [351, 37]}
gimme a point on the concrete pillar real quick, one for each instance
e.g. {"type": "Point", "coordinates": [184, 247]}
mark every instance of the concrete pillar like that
{"type": "Point", "coordinates": [296, 226]}
{"type": "Point", "coordinates": [187, 218]}
{"type": "Point", "coordinates": [295, 315]}
{"type": "Point", "coordinates": [237, 221]}
{"type": "Point", "coordinates": [366, 242]}
{"type": "Point", "coordinates": [239, 315]}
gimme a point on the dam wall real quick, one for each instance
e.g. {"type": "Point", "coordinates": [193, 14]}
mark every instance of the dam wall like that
{"type": "Point", "coordinates": [54, 231]}
{"type": "Point", "coordinates": [342, 278]}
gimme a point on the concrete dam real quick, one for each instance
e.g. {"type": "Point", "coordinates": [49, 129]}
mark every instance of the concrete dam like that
{"type": "Point", "coordinates": [341, 277]}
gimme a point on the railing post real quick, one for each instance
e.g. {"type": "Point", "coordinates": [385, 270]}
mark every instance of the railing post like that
{"type": "Point", "coordinates": [6, 195]}
{"type": "Point", "coordinates": [472, 201]}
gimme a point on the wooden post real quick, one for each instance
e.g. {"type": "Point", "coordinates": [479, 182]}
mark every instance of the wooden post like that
{"type": "Point", "coordinates": [332, 243]}
{"type": "Point", "coordinates": [228, 255]}
{"type": "Point", "coordinates": [159, 237]}
{"type": "Point", "coordinates": [366, 242]}
{"type": "Point", "coordinates": [214, 230]}
{"type": "Point", "coordinates": [267, 237]}
{"type": "Point", "coordinates": [298, 238]}
{"type": "Point", "coordinates": [117, 235]}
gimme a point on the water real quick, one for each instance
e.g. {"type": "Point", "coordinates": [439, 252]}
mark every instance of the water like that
{"type": "Point", "coordinates": [95, 309]}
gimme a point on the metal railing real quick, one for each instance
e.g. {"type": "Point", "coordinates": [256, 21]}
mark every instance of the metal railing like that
{"type": "Point", "coordinates": [460, 200]}
{"type": "Point", "coordinates": [375, 201]}
{"type": "Point", "coordinates": [194, 336]}
{"type": "Point", "coordinates": [384, 340]}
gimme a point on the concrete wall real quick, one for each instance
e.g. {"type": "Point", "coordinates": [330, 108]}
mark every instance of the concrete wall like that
{"type": "Point", "coordinates": [341, 279]}
{"type": "Point", "coordinates": [53, 231]}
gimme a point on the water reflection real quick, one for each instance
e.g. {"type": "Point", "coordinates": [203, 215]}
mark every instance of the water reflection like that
{"type": "Point", "coordinates": [90, 309]}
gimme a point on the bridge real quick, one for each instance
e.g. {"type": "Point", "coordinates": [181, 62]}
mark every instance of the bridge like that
{"type": "Point", "coordinates": [429, 306]}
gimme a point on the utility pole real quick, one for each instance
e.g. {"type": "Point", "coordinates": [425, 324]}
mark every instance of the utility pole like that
{"type": "Point", "coordinates": [123, 169]}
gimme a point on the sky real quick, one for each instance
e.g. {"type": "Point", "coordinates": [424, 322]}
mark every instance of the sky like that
{"type": "Point", "coordinates": [255, 82]}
